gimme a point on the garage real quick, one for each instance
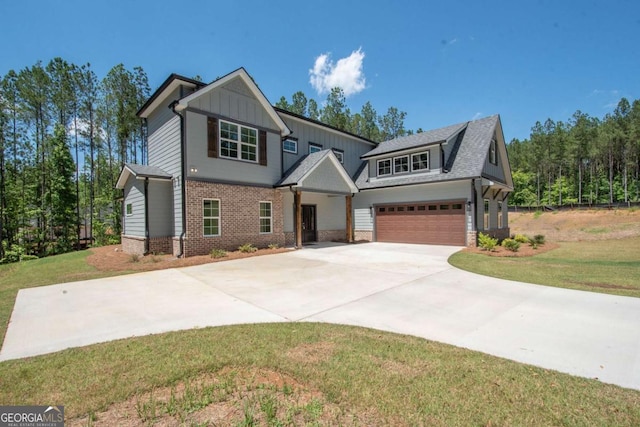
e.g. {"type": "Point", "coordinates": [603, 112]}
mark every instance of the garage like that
{"type": "Point", "coordinates": [436, 223]}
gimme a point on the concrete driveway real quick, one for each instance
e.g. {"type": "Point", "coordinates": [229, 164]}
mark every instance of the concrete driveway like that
{"type": "Point", "coordinates": [409, 289]}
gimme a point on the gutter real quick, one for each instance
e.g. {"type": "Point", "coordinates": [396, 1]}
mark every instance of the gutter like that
{"type": "Point", "coordinates": [183, 179]}
{"type": "Point", "coordinates": [295, 214]}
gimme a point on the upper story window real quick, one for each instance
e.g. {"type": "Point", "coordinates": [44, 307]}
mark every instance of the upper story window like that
{"type": "Point", "coordinates": [493, 155]}
{"type": "Point", "coordinates": [314, 148]}
{"type": "Point", "coordinates": [420, 161]}
{"type": "Point", "coordinates": [290, 145]}
{"type": "Point", "coordinates": [401, 164]}
{"type": "Point", "coordinates": [339, 154]}
{"type": "Point", "coordinates": [384, 167]}
{"type": "Point", "coordinates": [238, 142]}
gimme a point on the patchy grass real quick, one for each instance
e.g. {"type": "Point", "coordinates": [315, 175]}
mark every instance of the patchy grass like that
{"type": "Point", "coordinates": [606, 266]}
{"type": "Point", "coordinates": [69, 267]}
{"type": "Point", "coordinates": [260, 375]}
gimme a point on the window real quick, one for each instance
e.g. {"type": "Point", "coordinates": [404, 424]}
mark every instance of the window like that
{"type": "Point", "coordinates": [339, 154]}
{"type": "Point", "coordinates": [433, 207]}
{"type": "Point", "coordinates": [238, 142]}
{"type": "Point", "coordinates": [493, 157]}
{"type": "Point", "coordinates": [486, 214]}
{"type": "Point", "coordinates": [129, 209]}
{"type": "Point", "coordinates": [401, 164]}
{"type": "Point", "coordinates": [420, 161]}
{"type": "Point", "coordinates": [421, 208]}
{"type": "Point", "coordinates": [265, 217]}
{"type": "Point", "coordinates": [384, 167]}
{"type": "Point", "coordinates": [400, 208]}
{"type": "Point", "coordinates": [314, 148]}
{"type": "Point", "coordinates": [211, 217]}
{"type": "Point", "coordinates": [381, 209]}
{"type": "Point", "coordinates": [411, 208]}
{"type": "Point", "coordinates": [290, 145]}
{"type": "Point", "coordinates": [456, 206]}
{"type": "Point", "coordinates": [444, 207]}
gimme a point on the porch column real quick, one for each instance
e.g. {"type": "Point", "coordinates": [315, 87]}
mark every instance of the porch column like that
{"type": "Point", "coordinates": [298, 220]}
{"type": "Point", "coordinates": [348, 200]}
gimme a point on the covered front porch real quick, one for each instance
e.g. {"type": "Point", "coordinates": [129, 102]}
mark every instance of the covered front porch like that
{"type": "Point", "coordinates": [317, 201]}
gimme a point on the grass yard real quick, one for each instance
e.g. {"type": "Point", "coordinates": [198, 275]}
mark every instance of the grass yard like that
{"type": "Point", "coordinates": [305, 374]}
{"type": "Point", "coordinates": [606, 266]}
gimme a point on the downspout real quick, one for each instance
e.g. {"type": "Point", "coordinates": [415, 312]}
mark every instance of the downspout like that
{"type": "Point", "coordinates": [183, 180]}
{"type": "Point", "coordinates": [146, 215]}
{"type": "Point", "coordinates": [295, 215]}
{"type": "Point", "coordinates": [474, 216]}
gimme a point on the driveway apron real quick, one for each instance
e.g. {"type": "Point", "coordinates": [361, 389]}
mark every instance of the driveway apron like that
{"type": "Point", "coordinates": [409, 289]}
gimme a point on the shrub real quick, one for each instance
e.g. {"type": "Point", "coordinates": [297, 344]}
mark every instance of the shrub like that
{"type": "Point", "coordinates": [521, 238]}
{"type": "Point", "coordinates": [538, 239]}
{"type": "Point", "coordinates": [218, 253]}
{"type": "Point", "coordinates": [487, 242]}
{"type": "Point", "coordinates": [273, 246]}
{"type": "Point", "coordinates": [247, 248]}
{"type": "Point", "coordinates": [28, 257]}
{"type": "Point", "coordinates": [134, 258]}
{"type": "Point", "coordinates": [511, 244]}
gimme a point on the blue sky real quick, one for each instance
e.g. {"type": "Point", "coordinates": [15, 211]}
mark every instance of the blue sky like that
{"type": "Point", "coordinates": [441, 62]}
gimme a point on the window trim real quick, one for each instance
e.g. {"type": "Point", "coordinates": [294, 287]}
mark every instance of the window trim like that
{"type": "Point", "coordinates": [339, 154]}
{"type": "Point", "coordinates": [295, 143]}
{"type": "Point", "coordinates": [406, 156]}
{"type": "Point", "coordinates": [212, 217]}
{"type": "Point", "coordinates": [486, 220]}
{"type": "Point", "coordinates": [129, 209]}
{"type": "Point", "coordinates": [428, 168]}
{"type": "Point", "coordinates": [318, 147]}
{"type": "Point", "coordinates": [238, 142]}
{"type": "Point", "coordinates": [270, 217]}
{"type": "Point", "coordinates": [378, 167]}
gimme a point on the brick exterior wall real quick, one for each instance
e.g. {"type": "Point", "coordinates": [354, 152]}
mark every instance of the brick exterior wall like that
{"type": "Point", "coordinates": [359, 235]}
{"type": "Point", "coordinates": [161, 245]}
{"type": "Point", "coordinates": [132, 244]}
{"type": "Point", "coordinates": [332, 235]}
{"type": "Point", "coordinates": [472, 239]}
{"type": "Point", "coordinates": [239, 217]}
{"type": "Point", "coordinates": [289, 238]}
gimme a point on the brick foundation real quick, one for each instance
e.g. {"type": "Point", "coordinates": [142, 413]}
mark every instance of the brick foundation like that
{"type": "Point", "coordinates": [157, 245]}
{"type": "Point", "coordinates": [331, 235]}
{"type": "Point", "coordinates": [132, 244]}
{"type": "Point", "coordinates": [239, 217]}
{"type": "Point", "coordinates": [472, 239]}
{"type": "Point", "coordinates": [289, 238]}
{"type": "Point", "coordinates": [161, 245]}
{"type": "Point", "coordinates": [359, 235]}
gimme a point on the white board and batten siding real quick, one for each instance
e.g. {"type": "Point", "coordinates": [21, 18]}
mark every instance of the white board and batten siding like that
{"type": "Point", "coordinates": [330, 210]}
{"type": "Point", "coordinates": [134, 195]}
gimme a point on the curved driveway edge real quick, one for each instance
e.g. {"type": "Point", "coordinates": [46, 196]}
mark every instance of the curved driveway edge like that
{"type": "Point", "coordinates": [402, 288]}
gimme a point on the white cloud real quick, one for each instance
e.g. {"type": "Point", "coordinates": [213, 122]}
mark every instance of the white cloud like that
{"type": "Point", "coordinates": [477, 115]}
{"type": "Point", "coordinates": [346, 73]}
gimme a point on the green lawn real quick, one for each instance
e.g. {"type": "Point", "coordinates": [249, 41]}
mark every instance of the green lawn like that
{"type": "Point", "coordinates": [607, 266]}
{"type": "Point", "coordinates": [329, 375]}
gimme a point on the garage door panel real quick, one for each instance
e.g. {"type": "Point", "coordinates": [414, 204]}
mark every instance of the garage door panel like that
{"type": "Point", "coordinates": [440, 223]}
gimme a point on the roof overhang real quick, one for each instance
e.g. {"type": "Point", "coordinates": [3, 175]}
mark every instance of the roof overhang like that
{"type": "Point", "coordinates": [127, 173]}
{"type": "Point", "coordinates": [241, 74]}
{"type": "Point", "coordinates": [303, 182]}
{"type": "Point", "coordinates": [172, 83]}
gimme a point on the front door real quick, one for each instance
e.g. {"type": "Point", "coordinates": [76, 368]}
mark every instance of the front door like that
{"type": "Point", "coordinates": [309, 224]}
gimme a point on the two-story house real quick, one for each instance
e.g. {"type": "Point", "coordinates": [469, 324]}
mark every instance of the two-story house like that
{"type": "Point", "coordinates": [227, 168]}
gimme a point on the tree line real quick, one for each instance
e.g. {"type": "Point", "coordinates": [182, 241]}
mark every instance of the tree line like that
{"type": "Point", "coordinates": [64, 136]}
{"type": "Point", "coordinates": [585, 160]}
{"type": "Point", "coordinates": [367, 123]}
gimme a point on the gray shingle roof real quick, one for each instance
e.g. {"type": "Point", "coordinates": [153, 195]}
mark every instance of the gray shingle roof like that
{"type": "Point", "coordinates": [416, 140]}
{"type": "Point", "coordinates": [468, 163]}
{"type": "Point", "coordinates": [301, 167]}
{"type": "Point", "coordinates": [147, 171]}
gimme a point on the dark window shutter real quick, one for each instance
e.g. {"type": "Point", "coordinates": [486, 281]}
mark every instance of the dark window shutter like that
{"type": "Point", "coordinates": [262, 147]}
{"type": "Point", "coordinates": [212, 137]}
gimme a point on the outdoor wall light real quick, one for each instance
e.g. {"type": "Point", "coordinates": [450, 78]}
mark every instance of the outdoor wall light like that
{"type": "Point", "coordinates": [468, 205]}
{"type": "Point", "coordinates": [193, 169]}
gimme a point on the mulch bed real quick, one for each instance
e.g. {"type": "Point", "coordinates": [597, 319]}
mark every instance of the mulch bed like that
{"type": "Point", "coordinates": [524, 251]}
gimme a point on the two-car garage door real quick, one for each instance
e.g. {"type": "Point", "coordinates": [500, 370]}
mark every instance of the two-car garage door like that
{"type": "Point", "coordinates": [438, 223]}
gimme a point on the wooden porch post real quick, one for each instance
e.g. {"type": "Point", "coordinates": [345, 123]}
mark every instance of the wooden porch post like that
{"type": "Point", "coordinates": [298, 220]}
{"type": "Point", "coordinates": [348, 200]}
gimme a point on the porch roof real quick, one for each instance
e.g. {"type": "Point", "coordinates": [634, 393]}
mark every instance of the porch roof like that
{"type": "Point", "coordinates": [320, 172]}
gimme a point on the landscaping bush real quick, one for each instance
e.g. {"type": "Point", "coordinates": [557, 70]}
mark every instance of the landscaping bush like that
{"type": "Point", "coordinates": [247, 248]}
{"type": "Point", "coordinates": [218, 253]}
{"type": "Point", "coordinates": [521, 238]}
{"type": "Point", "coordinates": [487, 242]}
{"type": "Point", "coordinates": [28, 257]}
{"type": "Point", "coordinates": [511, 244]}
{"type": "Point", "coordinates": [538, 239]}
{"type": "Point", "coordinates": [273, 246]}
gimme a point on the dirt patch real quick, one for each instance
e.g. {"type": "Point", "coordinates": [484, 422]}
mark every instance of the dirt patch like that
{"type": "Point", "coordinates": [399, 368]}
{"type": "Point", "coordinates": [229, 397]}
{"type": "Point", "coordinates": [312, 353]}
{"type": "Point", "coordinates": [582, 225]}
{"type": "Point", "coordinates": [111, 258]}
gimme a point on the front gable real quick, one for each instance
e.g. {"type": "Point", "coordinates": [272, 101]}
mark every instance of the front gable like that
{"type": "Point", "coordinates": [496, 164]}
{"type": "Point", "coordinates": [319, 172]}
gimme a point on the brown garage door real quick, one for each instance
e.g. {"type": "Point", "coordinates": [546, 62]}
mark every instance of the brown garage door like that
{"type": "Point", "coordinates": [441, 223]}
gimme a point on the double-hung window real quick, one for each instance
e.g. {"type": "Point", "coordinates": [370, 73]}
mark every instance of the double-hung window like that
{"type": "Point", "coordinates": [238, 142]}
{"type": "Point", "coordinates": [493, 155]}
{"type": "Point", "coordinates": [290, 145]}
{"type": "Point", "coordinates": [401, 164]}
{"type": "Point", "coordinates": [211, 217]}
{"type": "Point", "coordinates": [384, 167]}
{"type": "Point", "coordinates": [420, 161]}
{"type": "Point", "coordinates": [265, 218]}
